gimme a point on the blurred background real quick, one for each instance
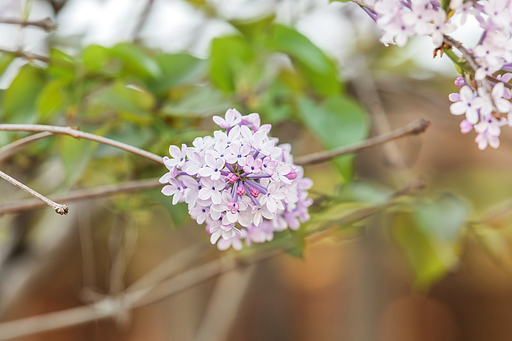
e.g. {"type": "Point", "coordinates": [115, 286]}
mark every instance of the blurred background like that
{"type": "Point", "coordinates": [436, 266]}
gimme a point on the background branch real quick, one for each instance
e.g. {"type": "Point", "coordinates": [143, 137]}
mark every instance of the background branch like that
{"type": "Point", "coordinates": [26, 55]}
{"type": "Point", "coordinates": [46, 24]}
{"type": "Point", "coordinates": [110, 307]}
{"type": "Point", "coordinates": [79, 134]}
{"type": "Point", "coordinates": [84, 194]}
{"type": "Point", "coordinates": [415, 128]}
{"type": "Point", "coordinates": [59, 209]}
{"type": "Point", "coordinates": [10, 148]}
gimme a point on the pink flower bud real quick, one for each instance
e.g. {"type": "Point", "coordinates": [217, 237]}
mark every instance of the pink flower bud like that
{"type": "Point", "coordinates": [240, 190]}
{"type": "Point", "coordinates": [292, 175]}
{"type": "Point", "coordinates": [465, 127]}
{"type": "Point", "coordinates": [255, 192]}
{"type": "Point", "coordinates": [231, 178]}
{"type": "Point", "coordinates": [459, 81]}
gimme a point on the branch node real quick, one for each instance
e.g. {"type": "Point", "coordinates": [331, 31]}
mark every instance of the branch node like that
{"type": "Point", "coordinates": [62, 210]}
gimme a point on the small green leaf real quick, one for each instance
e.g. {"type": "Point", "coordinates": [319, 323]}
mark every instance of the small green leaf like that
{"type": "Point", "coordinates": [50, 100]}
{"type": "Point", "coordinates": [75, 155]}
{"type": "Point", "coordinates": [429, 258]}
{"type": "Point", "coordinates": [18, 103]}
{"type": "Point", "coordinates": [95, 57]}
{"type": "Point", "coordinates": [229, 59]}
{"type": "Point", "coordinates": [128, 99]}
{"type": "Point", "coordinates": [136, 61]}
{"type": "Point", "coordinates": [61, 66]}
{"type": "Point", "coordinates": [200, 101]}
{"type": "Point", "coordinates": [443, 217]}
{"type": "Point", "coordinates": [310, 61]}
{"type": "Point", "coordinates": [338, 121]}
{"type": "Point", "coordinates": [5, 60]}
{"type": "Point", "coordinates": [177, 69]}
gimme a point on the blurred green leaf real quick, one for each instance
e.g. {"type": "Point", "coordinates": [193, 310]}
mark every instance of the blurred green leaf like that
{"type": "Point", "coordinates": [50, 100]}
{"type": "Point", "coordinates": [364, 191]}
{"type": "Point", "coordinates": [443, 217]}
{"type": "Point", "coordinates": [200, 101]}
{"type": "Point", "coordinates": [492, 241]}
{"type": "Point", "coordinates": [136, 61]}
{"type": "Point", "coordinates": [18, 102]}
{"type": "Point", "coordinates": [127, 99]}
{"type": "Point", "coordinates": [95, 57]}
{"type": "Point", "coordinates": [61, 65]}
{"type": "Point", "coordinates": [75, 155]}
{"type": "Point", "coordinates": [5, 60]}
{"type": "Point", "coordinates": [338, 121]}
{"type": "Point", "coordinates": [177, 69]}
{"type": "Point", "coordinates": [312, 62]}
{"type": "Point", "coordinates": [253, 27]}
{"type": "Point", "coordinates": [229, 58]}
{"type": "Point", "coordinates": [429, 258]}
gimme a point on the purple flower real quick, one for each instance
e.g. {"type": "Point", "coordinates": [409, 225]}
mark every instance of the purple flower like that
{"type": "Point", "coordinates": [238, 182]}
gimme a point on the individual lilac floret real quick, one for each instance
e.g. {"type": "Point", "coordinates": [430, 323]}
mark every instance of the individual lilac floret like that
{"type": "Point", "coordinates": [240, 182]}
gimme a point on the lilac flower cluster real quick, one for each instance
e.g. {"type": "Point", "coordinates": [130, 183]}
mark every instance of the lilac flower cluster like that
{"type": "Point", "coordinates": [240, 182]}
{"type": "Point", "coordinates": [485, 102]}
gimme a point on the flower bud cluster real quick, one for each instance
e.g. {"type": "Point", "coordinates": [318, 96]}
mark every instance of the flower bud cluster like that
{"type": "Point", "coordinates": [239, 182]}
{"type": "Point", "coordinates": [486, 109]}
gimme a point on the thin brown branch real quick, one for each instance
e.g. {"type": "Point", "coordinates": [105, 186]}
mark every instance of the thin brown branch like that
{"type": "Point", "coordinates": [9, 149]}
{"type": "Point", "coordinates": [26, 55]}
{"type": "Point", "coordinates": [81, 135]}
{"type": "Point", "coordinates": [110, 307]}
{"type": "Point", "coordinates": [45, 24]}
{"type": "Point", "coordinates": [415, 128]}
{"type": "Point", "coordinates": [496, 80]}
{"type": "Point", "coordinates": [84, 194]}
{"type": "Point", "coordinates": [59, 209]}
{"type": "Point", "coordinates": [143, 18]}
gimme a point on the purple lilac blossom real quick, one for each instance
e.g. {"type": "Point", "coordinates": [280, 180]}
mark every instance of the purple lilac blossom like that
{"type": "Point", "coordinates": [485, 109]}
{"type": "Point", "coordinates": [240, 182]}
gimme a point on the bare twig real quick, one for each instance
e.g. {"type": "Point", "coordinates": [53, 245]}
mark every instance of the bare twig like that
{"type": "Point", "coordinates": [46, 24]}
{"type": "Point", "coordinates": [224, 303]}
{"type": "Point", "coordinates": [26, 55]}
{"type": "Point", "coordinates": [142, 20]}
{"type": "Point", "coordinates": [79, 134]}
{"type": "Point", "coordinates": [60, 209]}
{"type": "Point", "coordinates": [415, 128]}
{"type": "Point", "coordinates": [8, 149]}
{"type": "Point", "coordinates": [496, 80]}
{"type": "Point", "coordinates": [26, 205]}
{"type": "Point", "coordinates": [110, 307]}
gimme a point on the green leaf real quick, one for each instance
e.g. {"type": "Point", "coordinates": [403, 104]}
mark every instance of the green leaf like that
{"type": "Point", "coordinates": [128, 100]}
{"type": "Point", "coordinates": [136, 61]}
{"type": "Point", "coordinates": [338, 121]}
{"type": "Point", "coordinates": [95, 57]}
{"type": "Point", "coordinates": [61, 65]}
{"type": "Point", "coordinates": [50, 100]}
{"type": "Point", "coordinates": [364, 191]}
{"type": "Point", "coordinates": [75, 155]}
{"type": "Point", "coordinates": [443, 217]}
{"type": "Point", "coordinates": [229, 59]}
{"type": "Point", "coordinates": [177, 69]}
{"type": "Point", "coordinates": [18, 103]}
{"type": "Point", "coordinates": [310, 61]}
{"type": "Point", "coordinates": [201, 101]}
{"type": "Point", "coordinates": [429, 258]}
{"type": "Point", "coordinates": [5, 60]}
